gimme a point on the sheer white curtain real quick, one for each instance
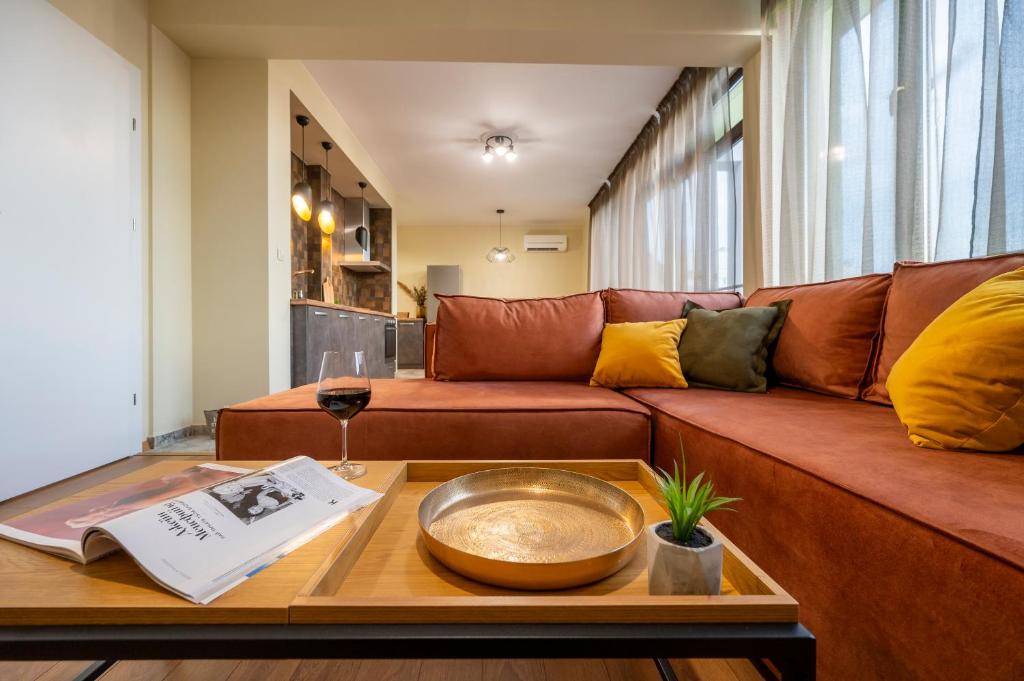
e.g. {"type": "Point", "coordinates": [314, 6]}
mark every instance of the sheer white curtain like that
{"type": "Point", "coordinates": [667, 219]}
{"type": "Point", "coordinates": [890, 130]}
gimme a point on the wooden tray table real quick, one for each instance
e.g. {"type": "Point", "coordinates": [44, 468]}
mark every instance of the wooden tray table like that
{"type": "Point", "coordinates": [368, 589]}
{"type": "Point", "coordinates": [384, 573]}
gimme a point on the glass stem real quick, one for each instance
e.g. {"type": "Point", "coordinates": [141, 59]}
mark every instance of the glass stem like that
{"type": "Point", "coordinates": [344, 443]}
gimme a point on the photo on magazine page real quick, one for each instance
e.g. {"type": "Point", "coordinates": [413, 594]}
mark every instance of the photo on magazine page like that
{"type": "Point", "coordinates": [255, 497]}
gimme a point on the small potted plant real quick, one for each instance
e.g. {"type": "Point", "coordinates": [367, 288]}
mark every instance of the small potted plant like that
{"type": "Point", "coordinates": [418, 295]}
{"type": "Point", "coordinates": [682, 557]}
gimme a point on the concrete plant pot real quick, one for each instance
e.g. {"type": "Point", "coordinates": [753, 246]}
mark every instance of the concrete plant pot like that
{"type": "Point", "coordinates": [675, 570]}
{"type": "Point", "coordinates": [211, 421]}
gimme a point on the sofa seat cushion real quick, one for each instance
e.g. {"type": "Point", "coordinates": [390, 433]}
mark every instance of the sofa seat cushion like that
{"type": "Point", "coordinates": [888, 548]}
{"type": "Point", "coordinates": [424, 419]}
{"type": "Point", "coordinates": [975, 498]}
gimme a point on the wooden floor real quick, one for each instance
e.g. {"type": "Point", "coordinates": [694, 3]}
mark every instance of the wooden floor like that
{"type": "Point", "coordinates": [340, 670]}
{"type": "Point", "coordinates": [372, 670]}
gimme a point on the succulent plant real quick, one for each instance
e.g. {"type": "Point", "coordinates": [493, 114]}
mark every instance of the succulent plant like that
{"type": "Point", "coordinates": [688, 502]}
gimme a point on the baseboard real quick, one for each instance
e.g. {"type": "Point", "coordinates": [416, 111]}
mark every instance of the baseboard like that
{"type": "Point", "coordinates": [174, 436]}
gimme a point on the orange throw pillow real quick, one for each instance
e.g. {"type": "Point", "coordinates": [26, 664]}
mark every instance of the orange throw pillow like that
{"type": "Point", "coordinates": [640, 355]}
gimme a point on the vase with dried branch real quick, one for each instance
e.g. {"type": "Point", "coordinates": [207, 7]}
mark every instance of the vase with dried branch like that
{"type": "Point", "coordinates": [418, 295]}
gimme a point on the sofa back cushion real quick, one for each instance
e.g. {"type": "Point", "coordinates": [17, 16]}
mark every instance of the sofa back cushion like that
{"type": "Point", "coordinates": [541, 339]}
{"type": "Point", "coordinates": [959, 384]}
{"type": "Point", "coordinates": [635, 305]}
{"type": "Point", "coordinates": [828, 339]}
{"type": "Point", "coordinates": [920, 292]}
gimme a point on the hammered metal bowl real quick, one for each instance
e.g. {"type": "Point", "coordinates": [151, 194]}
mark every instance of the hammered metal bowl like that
{"type": "Point", "coordinates": [531, 528]}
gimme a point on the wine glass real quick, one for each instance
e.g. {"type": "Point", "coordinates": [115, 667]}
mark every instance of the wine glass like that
{"type": "Point", "coordinates": [343, 391]}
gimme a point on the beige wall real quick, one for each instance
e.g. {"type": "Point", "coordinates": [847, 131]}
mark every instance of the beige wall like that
{"type": "Point", "coordinates": [171, 239]}
{"type": "Point", "coordinates": [531, 275]}
{"type": "Point", "coordinates": [241, 221]}
{"type": "Point", "coordinates": [122, 24]}
{"type": "Point", "coordinates": [229, 232]}
{"type": "Point", "coordinates": [753, 268]}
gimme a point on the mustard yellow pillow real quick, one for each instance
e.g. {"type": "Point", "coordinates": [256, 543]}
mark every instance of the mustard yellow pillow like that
{"type": "Point", "coordinates": [960, 385]}
{"type": "Point", "coordinates": [640, 355]}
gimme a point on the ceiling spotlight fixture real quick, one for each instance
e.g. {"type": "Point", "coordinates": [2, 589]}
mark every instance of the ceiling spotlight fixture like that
{"type": "Point", "coordinates": [500, 254]}
{"type": "Point", "coordinates": [325, 216]}
{"type": "Point", "coordinates": [499, 145]}
{"type": "Point", "coordinates": [302, 193]}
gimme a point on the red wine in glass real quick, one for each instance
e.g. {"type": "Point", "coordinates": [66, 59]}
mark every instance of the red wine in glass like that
{"type": "Point", "coordinates": [343, 403]}
{"type": "Point", "coordinates": [343, 391]}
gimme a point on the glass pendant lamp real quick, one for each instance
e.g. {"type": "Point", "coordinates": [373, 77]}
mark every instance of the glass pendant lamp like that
{"type": "Point", "coordinates": [500, 254]}
{"type": "Point", "coordinates": [302, 193]}
{"type": "Point", "coordinates": [325, 215]}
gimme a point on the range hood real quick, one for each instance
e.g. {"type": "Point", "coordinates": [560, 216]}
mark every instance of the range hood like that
{"type": "Point", "coordinates": [364, 266]}
{"type": "Point", "coordinates": [356, 237]}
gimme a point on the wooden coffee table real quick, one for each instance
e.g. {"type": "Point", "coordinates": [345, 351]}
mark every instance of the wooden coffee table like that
{"type": "Point", "coordinates": [368, 588]}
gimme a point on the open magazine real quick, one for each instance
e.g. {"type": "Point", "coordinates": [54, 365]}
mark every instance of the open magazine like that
{"type": "Point", "coordinates": [201, 531]}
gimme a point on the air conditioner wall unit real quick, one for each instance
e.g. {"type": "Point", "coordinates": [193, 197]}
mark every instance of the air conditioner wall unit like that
{"type": "Point", "coordinates": [545, 243]}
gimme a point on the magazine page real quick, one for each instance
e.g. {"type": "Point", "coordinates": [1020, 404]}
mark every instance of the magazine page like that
{"type": "Point", "coordinates": [201, 544]}
{"type": "Point", "coordinates": [60, 530]}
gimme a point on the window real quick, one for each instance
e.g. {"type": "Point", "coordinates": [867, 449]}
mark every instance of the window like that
{"type": "Point", "coordinates": [889, 128]}
{"type": "Point", "coordinates": [672, 216]}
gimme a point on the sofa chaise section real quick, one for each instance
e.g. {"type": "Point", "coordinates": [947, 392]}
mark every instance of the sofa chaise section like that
{"type": "Point", "coordinates": [424, 419]}
{"type": "Point", "coordinates": [907, 563]}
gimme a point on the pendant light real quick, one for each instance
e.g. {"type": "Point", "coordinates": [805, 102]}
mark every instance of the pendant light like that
{"type": "Point", "coordinates": [362, 232]}
{"type": "Point", "coordinates": [500, 254]}
{"type": "Point", "coordinates": [325, 215]}
{"type": "Point", "coordinates": [302, 193]}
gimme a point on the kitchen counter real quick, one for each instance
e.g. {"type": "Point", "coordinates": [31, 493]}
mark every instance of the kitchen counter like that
{"type": "Point", "coordinates": [346, 308]}
{"type": "Point", "coordinates": [318, 327]}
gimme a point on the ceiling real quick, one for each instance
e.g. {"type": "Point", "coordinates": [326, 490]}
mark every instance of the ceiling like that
{"type": "Point", "coordinates": [638, 32]}
{"type": "Point", "coordinates": [422, 123]}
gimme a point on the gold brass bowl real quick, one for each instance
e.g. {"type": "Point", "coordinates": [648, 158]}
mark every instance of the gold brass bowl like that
{"type": "Point", "coordinates": [531, 528]}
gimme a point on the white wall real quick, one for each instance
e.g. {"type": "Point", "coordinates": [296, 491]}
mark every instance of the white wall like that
{"type": "Point", "coordinates": [70, 262]}
{"type": "Point", "coordinates": [123, 26]}
{"type": "Point", "coordinates": [171, 236]}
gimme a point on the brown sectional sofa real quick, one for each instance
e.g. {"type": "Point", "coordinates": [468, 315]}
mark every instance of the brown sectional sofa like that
{"type": "Point", "coordinates": [908, 563]}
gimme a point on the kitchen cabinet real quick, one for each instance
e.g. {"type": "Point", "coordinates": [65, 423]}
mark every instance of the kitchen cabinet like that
{"type": "Point", "coordinates": [317, 328]}
{"type": "Point", "coordinates": [410, 343]}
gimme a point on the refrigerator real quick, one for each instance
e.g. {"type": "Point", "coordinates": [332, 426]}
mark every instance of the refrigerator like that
{"type": "Point", "coordinates": [445, 279]}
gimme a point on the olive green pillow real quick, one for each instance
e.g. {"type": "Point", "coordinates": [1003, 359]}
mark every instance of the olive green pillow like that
{"type": "Point", "coordinates": [729, 349]}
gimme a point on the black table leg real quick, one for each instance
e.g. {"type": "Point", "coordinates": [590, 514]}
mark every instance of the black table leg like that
{"type": "Point", "coordinates": [95, 670]}
{"type": "Point", "coordinates": [665, 669]}
{"type": "Point", "coordinates": [800, 666]}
